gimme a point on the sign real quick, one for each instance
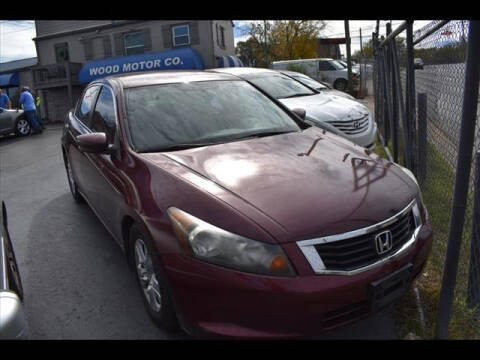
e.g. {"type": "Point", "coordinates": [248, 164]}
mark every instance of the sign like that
{"type": "Point", "coordinates": [181, 59]}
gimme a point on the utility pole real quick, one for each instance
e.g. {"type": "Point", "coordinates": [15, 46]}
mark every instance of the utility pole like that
{"type": "Point", "coordinates": [361, 44]}
{"type": "Point", "coordinates": [349, 60]}
{"type": "Point", "coordinates": [265, 41]}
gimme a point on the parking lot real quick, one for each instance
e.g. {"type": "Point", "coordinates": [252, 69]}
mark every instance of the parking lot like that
{"type": "Point", "coordinates": [76, 281]}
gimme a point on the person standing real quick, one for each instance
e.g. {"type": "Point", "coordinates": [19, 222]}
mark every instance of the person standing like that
{"type": "Point", "coordinates": [26, 99]}
{"type": "Point", "coordinates": [5, 102]}
{"type": "Point", "coordinates": [36, 100]}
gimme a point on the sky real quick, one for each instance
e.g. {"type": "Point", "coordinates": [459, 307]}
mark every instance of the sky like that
{"type": "Point", "coordinates": [16, 40]}
{"type": "Point", "coordinates": [336, 28]}
{"type": "Point", "coordinates": [16, 35]}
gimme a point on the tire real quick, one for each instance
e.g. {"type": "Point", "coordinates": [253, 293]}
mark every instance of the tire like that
{"type": "Point", "coordinates": [22, 127]}
{"type": "Point", "coordinates": [71, 181]}
{"type": "Point", "coordinates": [151, 279]}
{"type": "Point", "coordinates": [340, 84]}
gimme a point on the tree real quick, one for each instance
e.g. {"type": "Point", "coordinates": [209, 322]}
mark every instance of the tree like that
{"type": "Point", "coordinates": [249, 52]}
{"type": "Point", "coordinates": [295, 39]}
{"type": "Point", "coordinates": [280, 40]}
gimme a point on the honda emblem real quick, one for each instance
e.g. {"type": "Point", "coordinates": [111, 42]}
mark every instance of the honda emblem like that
{"type": "Point", "coordinates": [383, 242]}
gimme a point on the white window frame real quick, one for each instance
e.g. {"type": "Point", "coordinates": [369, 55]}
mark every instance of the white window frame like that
{"type": "Point", "coordinates": [135, 46]}
{"type": "Point", "coordinates": [173, 34]}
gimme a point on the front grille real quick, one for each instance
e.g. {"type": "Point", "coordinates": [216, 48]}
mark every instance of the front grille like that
{"type": "Point", "coordinates": [352, 127]}
{"type": "Point", "coordinates": [361, 251]}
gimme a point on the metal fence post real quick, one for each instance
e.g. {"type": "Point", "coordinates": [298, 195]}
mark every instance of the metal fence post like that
{"type": "Point", "coordinates": [401, 103]}
{"type": "Point", "coordinates": [422, 136]}
{"type": "Point", "coordinates": [467, 134]}
{"type": "Point", "coordinates": [410, 87]}
{"type": "Point", "coordinates": [394, 107]}
{"type": "Point", "coordinates": [474, 268]}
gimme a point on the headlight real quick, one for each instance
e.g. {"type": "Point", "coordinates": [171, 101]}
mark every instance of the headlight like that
{"type": "Point", "coordinates": [410, 174]}
{"type": "Point", "coordinates": [211, 244]}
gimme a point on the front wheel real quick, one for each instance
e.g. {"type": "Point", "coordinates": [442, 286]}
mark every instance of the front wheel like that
{"type": "Point", "coordinates": [152, 279]}
{"type": "Point", "coordinates": [71, 181]}
{"type": "Point", "coordinates": [340, 84]}
{"type": "Point", "coordinates": [22, 127]}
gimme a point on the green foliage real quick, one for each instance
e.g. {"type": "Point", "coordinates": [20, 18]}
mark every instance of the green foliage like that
{"type": "Point", "coordinates": [270, 41]}
{"type": "Point", "coordinates": [437, 192]}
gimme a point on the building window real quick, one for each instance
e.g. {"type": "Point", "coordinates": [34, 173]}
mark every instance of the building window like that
{"type": "Point", "coordinates": [134, 43]}
{"type": "Point", "coordinates": [222, 37]}
{"type": "Point", "coordinates": [181, 35]}
{"type": "Point", "coordinates": [61, 52]}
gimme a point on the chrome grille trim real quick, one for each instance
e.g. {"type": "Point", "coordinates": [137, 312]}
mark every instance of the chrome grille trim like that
{"type": "Point", "coordinates": [308, 246]}
{"type": "Point", "coordinates": [348, 126]}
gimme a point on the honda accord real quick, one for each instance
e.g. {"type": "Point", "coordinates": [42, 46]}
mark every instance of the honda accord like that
{"type": "Point", "coordinates": [238, 219]}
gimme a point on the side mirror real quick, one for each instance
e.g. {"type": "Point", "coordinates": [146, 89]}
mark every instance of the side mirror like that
{"type": "Point", "coordinates": [301, 113]}
{"type": "Point", "coordinates": [92, 143]}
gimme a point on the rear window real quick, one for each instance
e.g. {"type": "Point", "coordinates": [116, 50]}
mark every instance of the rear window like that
{"type": "Point", "coordinates": [279, 86]}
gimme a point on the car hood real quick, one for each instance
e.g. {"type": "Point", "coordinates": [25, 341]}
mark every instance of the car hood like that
{"type": "Point", "coordinates": [335, 94]}
{"type": "Point", "coordinates": [327, 107]}
{"type": "Point", "coordinates": [310, 183]}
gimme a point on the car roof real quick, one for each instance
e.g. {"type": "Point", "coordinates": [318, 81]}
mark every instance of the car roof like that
{"type": "Point", "coordinates": [165, 77]}
{"type": "Point", "coordinates": [239, 71]}
{"type": "Point", "coordinates": [292, 73]}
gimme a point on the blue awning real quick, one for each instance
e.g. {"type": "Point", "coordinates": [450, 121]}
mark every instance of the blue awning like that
{"type": "Point", "coordinates": [9, 79]}
{"type": "Point", "coordinates": [229, 61]}
{"type": "Point", "coordinates": [181, 59]}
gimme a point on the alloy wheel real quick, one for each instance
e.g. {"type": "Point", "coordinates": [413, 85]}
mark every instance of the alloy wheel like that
{"type": "Point", "coordinates": [146, 276]}
{"type": "Point", "coordinates": [23, 127]}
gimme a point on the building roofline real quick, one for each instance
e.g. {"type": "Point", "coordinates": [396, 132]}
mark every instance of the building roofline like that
{"type": "Point", "coordinates": [84, 29]}
{"type": "Point", "coordinates": [20, 61]}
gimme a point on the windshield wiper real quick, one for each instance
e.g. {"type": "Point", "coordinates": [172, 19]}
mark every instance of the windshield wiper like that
{"type": "Point", "coordinates": [262, 134]}
{"type": "Point", "coordinates": [296, 95]}
{"type": "Point", "coordinates": [182, 146]}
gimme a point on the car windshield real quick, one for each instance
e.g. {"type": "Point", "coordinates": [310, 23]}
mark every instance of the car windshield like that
{"type": "Point", "coordinates": [337, 65]}
{"type": "Point", "coordinates": [310, 82]}
{"type": "Point", "coordinates": [182, 115]}
{"type": "Point", "coordinates": [279, 86]}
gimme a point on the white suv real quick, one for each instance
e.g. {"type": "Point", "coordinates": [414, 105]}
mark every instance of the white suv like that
{"type": "Point", "coordinates": [324, 69]}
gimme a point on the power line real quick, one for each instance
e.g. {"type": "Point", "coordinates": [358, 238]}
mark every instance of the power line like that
{"type": "Point", "coordinates": [15, 31]}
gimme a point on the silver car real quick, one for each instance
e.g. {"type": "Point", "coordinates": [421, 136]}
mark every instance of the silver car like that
{"type": "Point", "coordinates": [12, 318]}
{"type": "Point", "coordinates": [316, 85]}
{"type": "Point", "coordinates": [14, 121]}
{"type": "Point", "coordinates": [339, 115]}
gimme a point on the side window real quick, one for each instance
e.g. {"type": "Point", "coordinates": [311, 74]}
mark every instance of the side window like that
{"type": "Point", "coordinates": [222, 37]}
{"type": "Point", "coordinates": [103, 119]}
{"type": "Point", "coordinates": [61, 52]}
{"type": "Point", "coordinates": [85, 106]}
{"type": "Point", "coordinates": [323, 66]}
{"type": "Point", "coordinates": [134, 43]}
{"type": "Point", "coordinates": [181, 35]}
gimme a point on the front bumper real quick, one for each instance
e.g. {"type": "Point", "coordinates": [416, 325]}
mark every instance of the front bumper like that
{"type": "Point", "coordinates": [213, 300]}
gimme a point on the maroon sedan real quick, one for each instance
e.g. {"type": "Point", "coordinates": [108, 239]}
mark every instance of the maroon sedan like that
{"type": "Point", "coordinates": [239, 219]}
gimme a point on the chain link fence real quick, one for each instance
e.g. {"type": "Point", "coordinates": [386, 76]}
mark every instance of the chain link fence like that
{"type": "Point", "coordinates": [427, 130]}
